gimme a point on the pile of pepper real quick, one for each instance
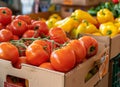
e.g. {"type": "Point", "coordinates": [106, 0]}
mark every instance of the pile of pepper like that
{"type": "Point", "coordinates": [113, 6]}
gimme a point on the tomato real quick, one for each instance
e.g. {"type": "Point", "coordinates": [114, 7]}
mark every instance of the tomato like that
{"type": "Point", "coordinates": [18, 27]}
{"type": "Point", "coordinates": [1, 26]}
{"type": "Point", "coordinates": [52, 45]}
{"type": "Point", "coordinates": [5, 35]}
{"type": "Point", "coordinates": [91, 45]}
{"type": "Point", "coordinates": [14, 81]}
{"type": "Point", "coordinates": [15, 37]}
{"type": "Point", "coordinates": [25, 18]}
{"type": "Point", "coordinates": [21, 60]}
{"type": "Point", "coordinates": [30, 33]}
{"type": "Point", "coordinates": [58, 35]}
{"type": "Point", "coordinates": [5, 15]}
{"type": "Point", "coordinates": [41, 27]}
{"type": "Point", "coordinates": [43, 43]}
{"type": "Point", "coordinates": [30, 27]}
{"type": "Point", "coordinates": [63, 59]}
{"type": "Point", "coordinates": [36, 54]}
{"type": "Point", "coordinates": [79, 49]}
{"type": "Point", "coordinates": [47, 65]}
{"type": "Point", "coordinates": [9, 52]}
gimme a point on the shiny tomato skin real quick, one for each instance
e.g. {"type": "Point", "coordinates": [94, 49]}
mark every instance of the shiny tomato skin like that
{"type": "Point", "coordinates": [21, 59]}
{"type": "Point", "coordinates": [30, 34]}
{"type": "Point", "coordinates": [91, 45]}
{"type": "Point", "coordinates": [5, 15]}
{"type": "Point", "coordinates": [41, 27]}
{"type": "Point", "coordinates": [25, 18]}
{"type": "Point", "coordinates": [79, 49]}
{"type": "Point", "coordinates": [15, 37]}
{"type": "Point", "coordinates": [44, 44]}
{"type": "Point", "coordinates": [36, 54]}
{"type": "Point", "coordinates": [47, 65]}
{"type": "Point", "coordinates": [5, 35]}
{"type": "Point", "coordinates": [18, 27]}
{"type": "Point", "coordinates": [63, 59]}
{"type": "Point", "coordinates": [58, 35]}
{"type": "Point", "coordinates": [9, 52]}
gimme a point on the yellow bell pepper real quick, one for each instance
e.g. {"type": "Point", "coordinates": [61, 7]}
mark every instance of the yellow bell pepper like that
{"type": "Point", "coordinates": [117, 23]}
{"type": "Point", "coordinates": [51, 22]}
{"type": "Point", "coordinates": [108, 29]}
{"type": "Point", "coordinates": [56, 16]}
{"type": "Point", "coordinates": [67, 24]}
{"type": "Point", "coordinates": [83, 15]}
{"type": "Point", "coordinates": [86, 27]}
{"type": "Point", "coordinates": [104, 15]}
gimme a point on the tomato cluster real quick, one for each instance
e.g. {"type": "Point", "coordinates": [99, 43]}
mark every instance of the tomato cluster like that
{"type": "Point", "coordinates": [24, 40]}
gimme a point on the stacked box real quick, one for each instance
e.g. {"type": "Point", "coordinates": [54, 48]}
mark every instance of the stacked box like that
{"type": "Point", "coordinates": [40, 77]}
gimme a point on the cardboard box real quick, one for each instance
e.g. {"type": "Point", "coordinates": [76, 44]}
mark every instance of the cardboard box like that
{"type": "Point", "coordinates": [103, 82]}
{"type": "Point", "coordinates": [67, 10]}
{"type": "Point", "coordinates": [76, 2]}
{"type": "Point", "coordinates": [114, 46]}
{"type": "Point", "coordinates": [40, 77]}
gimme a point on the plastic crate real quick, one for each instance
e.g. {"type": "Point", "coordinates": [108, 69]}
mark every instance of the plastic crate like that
{"type": "Point", "coordinates": [116, 71]}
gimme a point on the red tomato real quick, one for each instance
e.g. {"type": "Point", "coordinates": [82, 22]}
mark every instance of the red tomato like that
{"type": "Point", "coordinates": [36, 54]}
{"type": "Point", "coordinates": [5, 15]}
{"type": "Point", "coordinates": [58, 35]}
{"type": "Point", "coordinates": [52, 45]}
{"type": "Point", "coordinates": [18, 27]}
{"type": "Point", "coordinates": [41, 27]}
{"type": "Point", "coordinates": [91, 45]}
{"type": "Point", "coordinates": [43, 43]}
{"type": "Point", "coordinates": [9, 52]}
{"type": "Point", "coordinates": [47, 65]}
{"type": "Point", "coordinates": [1, 26]}
{"type": "Point", "coordinates": [79, 49]}
{"type": "Point", "coordinates": [30, 33]}
{"type": "Point", "coordinates": [14, 81]}
{"type": "Point", "coordinates": [21, 60]}
{"type": "Point", "coordinates": [30, 27]}
{"type": "Point", "coordinates": [15, 37]}
{"type": "Point", "coordinates": [5, 35]}
{"type": "Point", "coordinates": [63, 59]}
{"type": "Point", "coordinates": [25, 18]}
{"type": "Point", "coordinates": [115, 1]}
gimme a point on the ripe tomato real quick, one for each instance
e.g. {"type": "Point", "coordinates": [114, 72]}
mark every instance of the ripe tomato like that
{"type": "Point", "coordinates": [25, 18]}
{"type": "Point", "coordinates": [52, 45]}
{"type": "Point", "coordinates": [41, 27]}
{"type": "Point", "coordinates": [79, 49]}
{"type": "Point", "coordinates": [5, 15]}
{"type": "Point", "coordinates": [36, 54]}
{"type": "Point", "coordinates": [43, 43]}
{"type": "Point", "coordinates": [91, 45]}
{"type": "Point", "coordinates": [18, 27]}
{"type": "Point", "coordinates": [47, 65]}
{"type": "Point", "coordinates": [1, 26]}
{"type": "Point", "coordinates": [9, 52]}
{"type": "Point", "coordinates": [15, 82]}
{"type": "Point", "coordinates": [63, 59]}
{"type": "Point", "coordinates": [21, 60]}
{"type": "Point", "coordinates": [58, 35]}
{"type": "Point", "coordinates": [30, 33]}
{"type": "Point", "coordinates": [5, 35]}
{"type": "Point", "coordinates": [15, 37]}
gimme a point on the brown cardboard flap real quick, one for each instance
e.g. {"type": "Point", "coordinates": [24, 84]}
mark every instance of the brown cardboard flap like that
{"type": "Point", "coordinates": [114, 46]}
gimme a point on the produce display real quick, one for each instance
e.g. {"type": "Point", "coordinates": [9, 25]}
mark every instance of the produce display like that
{"type": "Point", "coordinates": [56, 44]}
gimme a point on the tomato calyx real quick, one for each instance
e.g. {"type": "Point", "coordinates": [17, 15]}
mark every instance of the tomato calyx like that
{"type": "Point", "coordinates": [92, 48]}
{"type": "Point", "coordinates": [4, 12]}
{"type": "Point", "coordinates": [19, 23]}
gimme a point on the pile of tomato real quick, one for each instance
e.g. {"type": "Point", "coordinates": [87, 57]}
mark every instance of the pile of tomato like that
{"type": "Point", "coordinates": [24, 40]}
